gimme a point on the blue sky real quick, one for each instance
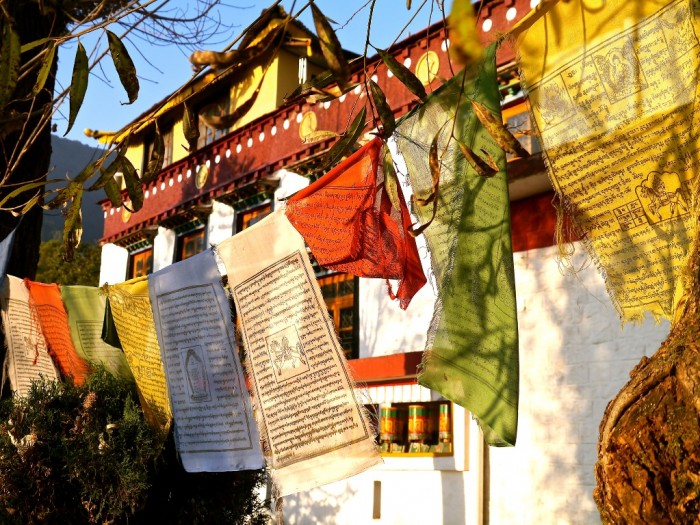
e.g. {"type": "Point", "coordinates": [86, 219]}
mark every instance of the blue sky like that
{"type": "Point", "coordinates": [102, 108]}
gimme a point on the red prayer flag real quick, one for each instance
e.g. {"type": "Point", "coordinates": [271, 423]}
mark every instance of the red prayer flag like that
{"type": "Point", "coordinates": [347, 219]}
{"type": "Point", "coordinates": [45, 300]}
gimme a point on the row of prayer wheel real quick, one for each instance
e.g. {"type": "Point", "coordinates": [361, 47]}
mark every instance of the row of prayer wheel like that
{"type": "Point", "coordinates": [420, 421]}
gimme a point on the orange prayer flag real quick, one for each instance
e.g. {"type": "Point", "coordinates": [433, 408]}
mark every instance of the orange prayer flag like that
{"type": "Point", "coordinates": [45, 300]}
{"type": "Point", "coordinates": [348, 220]}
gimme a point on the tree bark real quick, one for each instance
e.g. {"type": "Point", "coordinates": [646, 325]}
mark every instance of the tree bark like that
{"type": "Point", "coordinates": [31, 24]}
{"type": "Point", "coordinates": [648, 469]}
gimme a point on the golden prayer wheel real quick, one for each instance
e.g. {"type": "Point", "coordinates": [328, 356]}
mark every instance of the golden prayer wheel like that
{"type": "Point", "coordinates": [389, 424]}
{"type": "Point", "coordinates": [418, 423]}
{"type": "Point", "coordinates": [444, 423]}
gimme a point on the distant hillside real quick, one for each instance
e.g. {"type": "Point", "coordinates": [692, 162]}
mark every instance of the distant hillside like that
{"type": "Point", "coordinates": [68, 158]}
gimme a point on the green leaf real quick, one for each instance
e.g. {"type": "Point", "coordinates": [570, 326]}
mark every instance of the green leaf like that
{"type": "Point", "coordinates": [87, 172]}
{"type": "Point", "coordinates": [109, 171]}
{"type": "Point", "coordinates": [391, 181]}
{"type": "Point", "coordinates": [498, 131]}
{"type": "Point", "coordinates": [465, 45]}
{"type": "Point", "coordinates": [133, 185]}
{"type": "Point", "coordinates": [36, 43]}
{"type": "Point", "coordinates": [330, 47]}
{"type": "Point", "coordinates": [155, 162]}
{"type": "Point", "coordinates": [386, 115]}
{"type": "Point", "coordinates": [404, 74]}
{"type": "Point", "coordinates": [113, 192]}
{"type": "Point", "coordinates": [73, 225]}
{"type": "Point", "coordinates": [341, 147]}
{"type": "Point", "coordinates": [434, 163]}
{"type": "Point", "coordinates": [482, 168]}
{"type": "Point", "coordinates": [9, 63]}
{"type": "Point", "coordinates": [46, 66]}
{"type": "Point", "coordinates": [226, 121]}
{"type": "Point", "coordinates": [78, 85]}
{"type": "Point", "coordinates": [318, 135]}
{"type": "Point", "coordinates": [319, 89]}
{"type": "Point", "coordinates": [29, 205]}
{"type": "Point", "coordinates": [18, 191]}
{"type": "Point", "coordinates": [189, 127]}
{"type": "Point", "coordinates": [124, 66]}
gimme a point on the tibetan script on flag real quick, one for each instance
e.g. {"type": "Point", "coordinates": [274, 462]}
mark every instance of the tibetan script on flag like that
{"type": "Point", "coordinates": [614, 94]}
{"type": "Point", "coordinates": [311, 421]}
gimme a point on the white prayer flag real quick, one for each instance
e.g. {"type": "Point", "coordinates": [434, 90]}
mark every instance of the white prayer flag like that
{"type": "Point", "coordinates": [214, 426]}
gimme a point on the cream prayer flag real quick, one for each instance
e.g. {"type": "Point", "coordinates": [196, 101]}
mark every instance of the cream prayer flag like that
{"type": "Point", "coordinates": [133, 318]}
{"type": "Point", "coordinates": [45, 299]}
{"type": "Point", "coordinates": [86, 311]}
{"type": "Point", "coordinates": [214, 426]}
{"type": "Point", "coordinates": [27, 359]}
{"type": "Point", "coordinates": [613, 88]}
{"type": "Point", "coordinates": [312, 424]}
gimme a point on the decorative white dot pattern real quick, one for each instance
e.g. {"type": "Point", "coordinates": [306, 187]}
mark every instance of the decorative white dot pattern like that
{"type": "Point", "coordinates": [250, 142]}
{"type": "Point", "coordinates": [171, 182]}
{"type": "Point", "coordinates": [162, 186]}
{"type": "Point", "coordinates": [407, 62]}
{"type": "Point", "coordinates": [273, 131]}
{"type": "Point", "coordinates": [261, 137]}
{"type": "Point", "coordinates": [239, 148]}
{"type": "Point", "coordinates": [299, 117]}
{"type": "Point", "coordinates": [285, 124]}
{"type": "Point", "coordinates": [511, 14]}
{"type": "Point", "coordinates": [217, 159]}
{"type": "Point", "coordinates": [487, 25]}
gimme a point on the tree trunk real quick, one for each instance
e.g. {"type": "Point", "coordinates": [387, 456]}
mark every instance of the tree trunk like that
{"type": "Point", "coordinates": [31, 25]}
{"type": "Point", "coordinates": [648, 468]}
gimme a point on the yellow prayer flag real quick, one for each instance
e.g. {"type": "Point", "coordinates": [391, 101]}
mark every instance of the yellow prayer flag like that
{"type": "Point", "coordinates": [613, 89]}
{"type": "Point", "coordinates": [133, 318]}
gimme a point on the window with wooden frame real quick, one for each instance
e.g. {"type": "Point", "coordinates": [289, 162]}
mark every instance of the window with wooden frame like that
{"type": "Point", "coordinates": [141, 263]}
{"type": "Point", "coordinates": [339, 294]}
{"type": "Point", "coordinates": [190, 244]}
{"type": "Point", "coordinates": [517, 120]}
{"type": "Point", "coordinates": [220, 107]}
{"type": "Point", "coordinates": [247, 218]}
{"type": "Point", "coordinates": [167, 135]}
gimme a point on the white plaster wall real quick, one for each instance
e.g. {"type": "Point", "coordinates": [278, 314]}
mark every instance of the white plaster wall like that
{"type": "Point", "coordinates": [380, 316]}
{"type": "Point", "coordinates": [164, 248]}
{"type": "Point", "coordinates": [435, 491]}
{"type": "Point", "coordinates": [114, 262]}
{"type": "Point", "coordinates": [574, 357]}
{"type": "Point", "coordinates": [289, 183]}
{"type": "Point", "coordinates": [220, 224]}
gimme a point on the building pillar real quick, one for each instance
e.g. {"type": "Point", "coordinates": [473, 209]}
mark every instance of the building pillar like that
{"type": "Point", "coordinates": [164, 245]}
{"type": "Point", "coordinates": [220, 225]}
{"type": "Point", "coordinates": [113, 264]}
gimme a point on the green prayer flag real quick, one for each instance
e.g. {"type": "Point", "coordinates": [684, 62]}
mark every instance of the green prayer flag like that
{"type": "Point", "coordinates": [472, 349]}
{"type": "Point", "coordinates": [86, 308]}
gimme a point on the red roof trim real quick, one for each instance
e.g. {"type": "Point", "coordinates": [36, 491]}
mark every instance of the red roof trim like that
{"type": "Point", "coordinates": [387, 368]}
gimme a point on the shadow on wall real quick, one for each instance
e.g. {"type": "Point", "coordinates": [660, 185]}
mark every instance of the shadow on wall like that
{"type": "Point", "coordinates": [319, 508]}
{"type": "Point", "coordinates": [574, 358]}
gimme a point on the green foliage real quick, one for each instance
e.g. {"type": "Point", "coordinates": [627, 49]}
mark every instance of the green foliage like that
{"type": "Point", "coordinates": [84, 269]}
{"type": "Point", "coordinates": [85, 454]}
{"type": "Point", "coordinates": [75, 454]}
